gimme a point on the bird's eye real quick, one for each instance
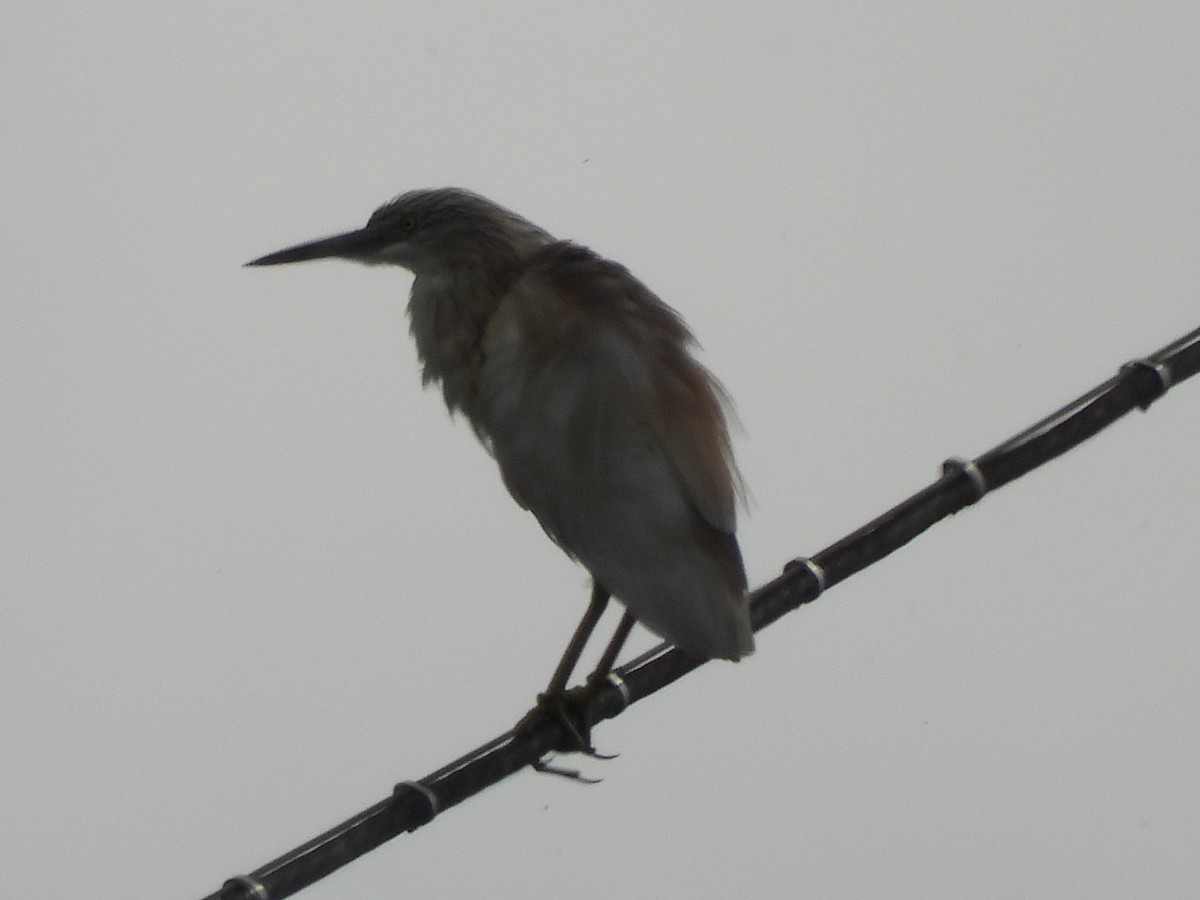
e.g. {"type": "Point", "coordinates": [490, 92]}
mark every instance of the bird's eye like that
{"type": "Point", "coordinates": [408, 224]}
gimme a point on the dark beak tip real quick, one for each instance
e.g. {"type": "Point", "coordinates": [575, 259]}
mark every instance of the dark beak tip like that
{"type": "Point", "coordinates": [351, 245]}
{"type": "Point", "coordinates": [271, 259]}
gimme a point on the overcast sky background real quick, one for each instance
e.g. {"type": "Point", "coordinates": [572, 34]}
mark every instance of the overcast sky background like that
{"type": "Point", "coordinates": [252, 575]}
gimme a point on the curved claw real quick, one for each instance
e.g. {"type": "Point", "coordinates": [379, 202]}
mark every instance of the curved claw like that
{"type": "Point", "coordinates": [567, 711]}
{"type": "Point", "coordinates": [577, 733]}
{"type": "Point", "coordinates": [547, 768]}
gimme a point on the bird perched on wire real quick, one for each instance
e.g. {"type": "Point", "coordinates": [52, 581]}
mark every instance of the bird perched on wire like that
{"type": "Point", "coordinates": [581, 384]}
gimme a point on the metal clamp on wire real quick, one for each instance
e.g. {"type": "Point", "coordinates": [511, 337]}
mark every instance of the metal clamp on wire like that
{"type": "Point", "coordinates": [622, 688]}
{"type": "Point", "coordinates": [425, 791]}
{"type": "Point", "coordinates": [971, 471]}
{"type": "Point", "coordinates": [251, 887]}
{"type": "Point", "coordinates": [1161, 372]}
{"type": "Point", "coordinates": [814, 569]}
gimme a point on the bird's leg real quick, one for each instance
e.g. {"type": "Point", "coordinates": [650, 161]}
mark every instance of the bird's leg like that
{"type": "Point", "coordinates": [578, 699]}
{"type": "Point", "coordinates": [553, 701]}
{"type": "Point", "coordinates": [600, 673]}
{"type": "Point", "coordinates": [583, 695]}
{"type": "Point", "coordinates": [583, 631]}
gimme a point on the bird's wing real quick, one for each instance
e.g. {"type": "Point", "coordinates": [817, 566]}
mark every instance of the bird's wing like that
{"type": "Point", "coordinates": [626, 354]}
{"type": "Point", "coordinates": [689, 418]}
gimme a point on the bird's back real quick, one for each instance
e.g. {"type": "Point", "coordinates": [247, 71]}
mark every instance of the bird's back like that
{"type": "Point", "coordinates": [607, 429]}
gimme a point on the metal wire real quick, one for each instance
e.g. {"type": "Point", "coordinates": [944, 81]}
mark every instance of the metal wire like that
{"type": "Point", "coordinates": [414, 803]}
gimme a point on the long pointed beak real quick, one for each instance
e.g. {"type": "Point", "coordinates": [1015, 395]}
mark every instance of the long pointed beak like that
{"type": "Point", "coordinates": [364, 242]}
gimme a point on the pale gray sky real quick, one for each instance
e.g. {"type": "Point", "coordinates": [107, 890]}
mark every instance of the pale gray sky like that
{"type": "Point", "coordinates": [252, 575]}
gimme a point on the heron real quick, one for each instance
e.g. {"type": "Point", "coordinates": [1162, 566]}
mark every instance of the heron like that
{"type": "Point", "coordinates": [582, 385]}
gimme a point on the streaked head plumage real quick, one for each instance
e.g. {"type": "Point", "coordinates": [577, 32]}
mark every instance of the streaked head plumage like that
{"type": "Point", "coordinates": [427, 229]}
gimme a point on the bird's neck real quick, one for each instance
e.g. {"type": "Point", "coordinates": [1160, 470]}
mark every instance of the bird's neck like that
{"type": "Point", "coordinates": [448, 310]}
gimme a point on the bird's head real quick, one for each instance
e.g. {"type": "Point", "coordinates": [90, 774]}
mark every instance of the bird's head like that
{"type": "Point", "coordinates": [428, 230]}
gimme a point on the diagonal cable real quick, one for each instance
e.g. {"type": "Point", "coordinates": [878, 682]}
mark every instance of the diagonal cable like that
{"type": "Point", "coordinates": [414, 803]}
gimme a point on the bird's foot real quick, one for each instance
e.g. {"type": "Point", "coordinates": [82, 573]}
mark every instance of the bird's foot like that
{"type": "Point", "coordinates": [547, 768]}
{"type": "Point", "coordinates": [569, 710]}
{"type": "Point", "coordinates": [559, 707]}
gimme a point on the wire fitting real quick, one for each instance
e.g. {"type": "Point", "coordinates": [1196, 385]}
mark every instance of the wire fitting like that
{"type": "Point", "coordinates": [425, 791]}
{"type": "Point", "coordinates": [251, 886]}
{"type": "Point", "coordinates": [622, 688]}
{"type": "Point", "coordinates": [970, 471]}
{"type": "Point", "coordinates": [1161, 372]}
{"type": "Point", "coordinates": [815, 570]}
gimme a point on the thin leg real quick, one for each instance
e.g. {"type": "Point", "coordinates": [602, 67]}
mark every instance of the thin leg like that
{"type": "Point", "coordinates": [566, 665]}
{"type": "Point", "coordinates": [553, 702]}
{"type": "Point", "coordinates": [614, 647]}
